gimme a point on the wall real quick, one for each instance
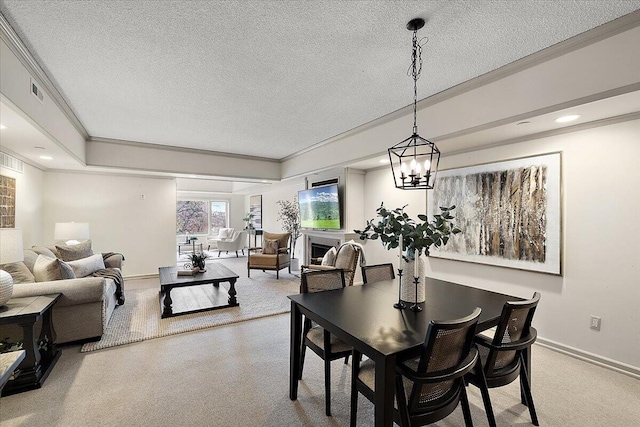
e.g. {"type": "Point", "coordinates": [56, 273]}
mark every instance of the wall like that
{"type": "Point", "coordinates": [119, 219]}
{"type": "Point", "coordinates": [601, 233]}
{"type": "Point", "coordinates": [29, 205]}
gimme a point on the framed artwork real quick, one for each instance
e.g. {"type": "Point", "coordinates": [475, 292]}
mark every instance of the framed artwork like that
{"type": "Point", "coordinates": [7, 202]}
{"type": "Point", "coordinates": [509, 213]}
{"type": "Point", "coordinates": [255, 207]}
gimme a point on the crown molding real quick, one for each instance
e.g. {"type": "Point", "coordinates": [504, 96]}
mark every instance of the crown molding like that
{"type": "Point", "coordinates": [11, 38]}
{"type": "Point", "coordinates": [178, 149]}
{"type": "Point", "coordinates": [594, 35]}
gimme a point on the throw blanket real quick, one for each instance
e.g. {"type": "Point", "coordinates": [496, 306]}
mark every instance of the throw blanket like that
{"type": "Point", "coordinates": [116, 275]}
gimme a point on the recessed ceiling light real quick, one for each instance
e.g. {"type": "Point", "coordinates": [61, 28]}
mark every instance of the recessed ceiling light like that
{"type": "Point", "coordinates": [46, 157]}
{"type": "Point", "coordinates": [384, 161]}
{"type": "Point", "coordinates": [264, 181]}
{"type": "Point", "coordinates": [192, 176]}
{"type": "Point", "coordinates": [3, 127]}
{"type": "Point", "coordinates": [569, 118]}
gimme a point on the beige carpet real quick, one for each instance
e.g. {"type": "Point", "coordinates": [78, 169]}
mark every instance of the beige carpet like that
{"type": "Point", "coordinates": [139, 318]}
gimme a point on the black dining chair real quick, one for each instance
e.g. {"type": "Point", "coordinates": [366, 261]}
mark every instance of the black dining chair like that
{"type": "Point", "coordinates": [430, 386]}
{"type": "Point", "coordinates": [378, 272]}
{"type": "Point", "coordinates": [325, 345]}
{"type": "Point", "coordinates": [502, 357]}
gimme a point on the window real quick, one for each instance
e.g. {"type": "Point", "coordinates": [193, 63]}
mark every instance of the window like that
{"type": "Point", "coordinates": [191, 217]}
{"type": "Point", "coordinates": [219, 217]}
{"type": "Point", "coordinates": [201, 216]}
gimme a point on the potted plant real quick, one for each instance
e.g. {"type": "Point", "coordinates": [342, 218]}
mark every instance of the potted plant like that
{"type": "Point", "coordinates": [396, 229]}
{"type": "Point", "coordinates": [197, 260]}
{"type": "Point", "coordinates": [247, 218]}
{"type": "Point", "coordinates": [289, 216]}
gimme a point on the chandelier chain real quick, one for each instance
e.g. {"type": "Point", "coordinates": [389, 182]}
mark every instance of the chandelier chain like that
{"type": "Point", "coordinates": [414, 71]}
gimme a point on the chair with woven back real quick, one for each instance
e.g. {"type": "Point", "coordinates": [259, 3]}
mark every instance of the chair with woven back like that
{"type": "Point", "coordinates": [325, 345]}
{"type": "Point", "coordinates": [378, 272]}
{"type": "Point", "coordinates": [347, 256]}
{"type": "Point", "coordinates": [430, 386]}
{"type": "Point", "coordinates": [502, 357]}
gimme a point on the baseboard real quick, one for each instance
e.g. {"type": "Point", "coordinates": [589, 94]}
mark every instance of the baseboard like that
{"type": "Point", "coordinates": [141, 276]}
{"type": "Point", "coordinates": [614, 365]}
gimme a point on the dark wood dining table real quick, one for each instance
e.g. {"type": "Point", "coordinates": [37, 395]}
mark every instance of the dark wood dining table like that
{"type": "Point", "coordinates": [364, 317]}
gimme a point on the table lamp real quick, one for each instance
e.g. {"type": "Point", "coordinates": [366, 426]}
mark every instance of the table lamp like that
{"type": "Point", "coordinates": [10, 251]}
{"type": "Point", "coordinates": [71, 233]}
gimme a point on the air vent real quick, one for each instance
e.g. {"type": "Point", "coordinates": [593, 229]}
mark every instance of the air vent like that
{"type": "Point", "coordinates": [11, 162]}
{"type": "Point", "coordinates": [37, 91]}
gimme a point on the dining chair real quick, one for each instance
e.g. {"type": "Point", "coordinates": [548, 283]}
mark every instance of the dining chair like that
{"type": "Point", "coordinates": [502, 357]}
{"type": "Point", "coordinates": [429, 386]}
{"type": "Point", "coordinates": [325, 345]}
{"type": "Point", "coordinates": [378, 272]}
{"type": "Point", "coordinates": [347, 257]}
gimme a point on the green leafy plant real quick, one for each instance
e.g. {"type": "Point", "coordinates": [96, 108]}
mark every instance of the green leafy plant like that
{"type": "Point", "coordinates": [247, 218]}
{"type": "Point", "coordinates": [197, 259]}
{"type": "Point", "coordinates": [289, 215]}
{"type": "Point", "coordinates": [417, 236]}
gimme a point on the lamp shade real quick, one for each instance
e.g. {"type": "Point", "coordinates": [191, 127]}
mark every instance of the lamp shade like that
{"type": "Point", "coordinates": [11, 245]}
{"type": "Point", "coordinates": [71, 231]}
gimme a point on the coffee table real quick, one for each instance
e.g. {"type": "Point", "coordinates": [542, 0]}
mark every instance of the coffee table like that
{"type": "Point", "coordinates": [204, 298]}
{"type": "Point", "coordinates": [37, 364]}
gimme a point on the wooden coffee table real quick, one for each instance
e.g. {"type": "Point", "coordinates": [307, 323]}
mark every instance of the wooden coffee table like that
{"type": "Point", "coordinates": [198, 297]}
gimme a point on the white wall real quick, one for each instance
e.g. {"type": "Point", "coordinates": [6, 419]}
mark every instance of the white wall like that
{"type": "Point", "coordinates": [601, 233]}
{"type": "Point", "coordinates": [144, 230]}
{"type": "Point", "coordinates": [29, 205]}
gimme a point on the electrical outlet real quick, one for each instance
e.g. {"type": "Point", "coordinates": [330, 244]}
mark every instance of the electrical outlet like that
{"type": "Point", "coordinates": [595, 322]}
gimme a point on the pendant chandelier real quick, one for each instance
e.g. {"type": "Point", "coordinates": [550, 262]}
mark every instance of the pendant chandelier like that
{"type": "Point", "coordinates": [414, 161]}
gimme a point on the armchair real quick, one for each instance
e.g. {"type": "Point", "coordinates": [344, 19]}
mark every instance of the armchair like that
{"type": "Point", "coordinates": [273, 255]}
{"type": "Point", "coordinates": [346, 258]}
{"type": "Point", "coordinates": [223, 234]}
{"type": "Point", "coordinates": [234, 244]}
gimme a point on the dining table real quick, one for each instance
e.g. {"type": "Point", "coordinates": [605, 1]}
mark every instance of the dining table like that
{"type": "Point", "coordinates": [364, 317]}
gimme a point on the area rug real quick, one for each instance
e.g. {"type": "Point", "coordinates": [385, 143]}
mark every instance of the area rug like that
{"type": "Point", "coordinates": [139, 318]}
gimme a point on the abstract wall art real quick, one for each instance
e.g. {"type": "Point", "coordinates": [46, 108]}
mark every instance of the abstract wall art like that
{"type": "Point", "coordinates": [509, 212]}
{"type": "Point", "coordinates": [7, 202]}
{"type": "Point", "coordinates": [255, 207]}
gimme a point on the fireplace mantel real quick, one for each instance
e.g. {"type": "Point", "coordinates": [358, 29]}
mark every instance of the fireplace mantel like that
{"type": "Point", "coordinates": [329, 238]}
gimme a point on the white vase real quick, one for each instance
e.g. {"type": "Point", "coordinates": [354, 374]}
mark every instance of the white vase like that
{"type": "Point", "coordinates": [408, 290]}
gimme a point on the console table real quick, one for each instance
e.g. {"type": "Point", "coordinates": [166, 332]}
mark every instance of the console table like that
{"type": "Point", "coordinates": [37, 364]}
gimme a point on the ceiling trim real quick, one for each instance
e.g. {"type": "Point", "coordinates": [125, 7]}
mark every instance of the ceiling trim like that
{"type": "Point", "coordinates": [549, 109]}
{"type": "Point", "coordinates": [594, 35]}
{"type": "Point", "coordinates": [24, 160]}
{"type": "Point", "coordinates": [10, 37]}
{"type": "Point", "coordinates": [42, 130]}
{"type": "Point", "coordinates": [147, 145]}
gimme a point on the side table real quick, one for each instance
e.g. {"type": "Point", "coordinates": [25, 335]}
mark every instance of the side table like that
{"type": "Point", "coordinates": [37, 365]}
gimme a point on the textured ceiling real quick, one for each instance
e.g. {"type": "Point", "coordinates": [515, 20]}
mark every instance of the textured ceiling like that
{"type": "Point", "coordinates": [270, 78]}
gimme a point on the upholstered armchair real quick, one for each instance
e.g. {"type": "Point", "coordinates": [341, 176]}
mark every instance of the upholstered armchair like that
{"type": "Point", "coordinates": [273, 255]}
{"type": "Point", "coordinates": [234, 244]}
{"type": "Point", "coordinates": [224, 234]}
{"type": "Point", "coordinates": [346, 258]}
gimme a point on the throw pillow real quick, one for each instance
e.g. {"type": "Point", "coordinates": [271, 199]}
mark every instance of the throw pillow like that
{"type": "Point", "coordinates": [223, 233]}
{"type": "Point", "coordinates": [270, 247]}
{"type": "Point", "coordinates": [86, 266]}
{"type": "Point", "coordinates": [19, 272]}
{"type": "Point", "coordinates": [329, 257]}
{"type": "Point", "coordinates": [47, 269]}
{"type": "Point", "coordinates": [30, 258]}
{"type": "Point", "coordinates": [74, 252]}
{"type": "Point", "coordinates": [41, 250]}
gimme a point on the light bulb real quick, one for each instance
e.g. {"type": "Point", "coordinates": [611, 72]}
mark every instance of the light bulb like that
{"type": "Point", "coordinates": [413, 166]}
{"type": "Point", "coordinates": [403, 169]}
{"type": "Point", "coordinates": [427, 165]}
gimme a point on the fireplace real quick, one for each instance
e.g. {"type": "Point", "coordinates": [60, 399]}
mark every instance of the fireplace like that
{"type": "Point", "coordinates": [318, 246]}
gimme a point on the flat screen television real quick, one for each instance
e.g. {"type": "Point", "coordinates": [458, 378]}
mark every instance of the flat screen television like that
{"type": "Point", "coordinates": [320, 208]}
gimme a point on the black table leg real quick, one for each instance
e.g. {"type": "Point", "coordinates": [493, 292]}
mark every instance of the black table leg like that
{"type": "Point", "coordinates": [385, 391]}
{"type": "Point", "coordinates": [232, 293]}
{"type": "Point", "coordinates": [168, 311]}
{"type": "Point", "coordinates": [294, 351]}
